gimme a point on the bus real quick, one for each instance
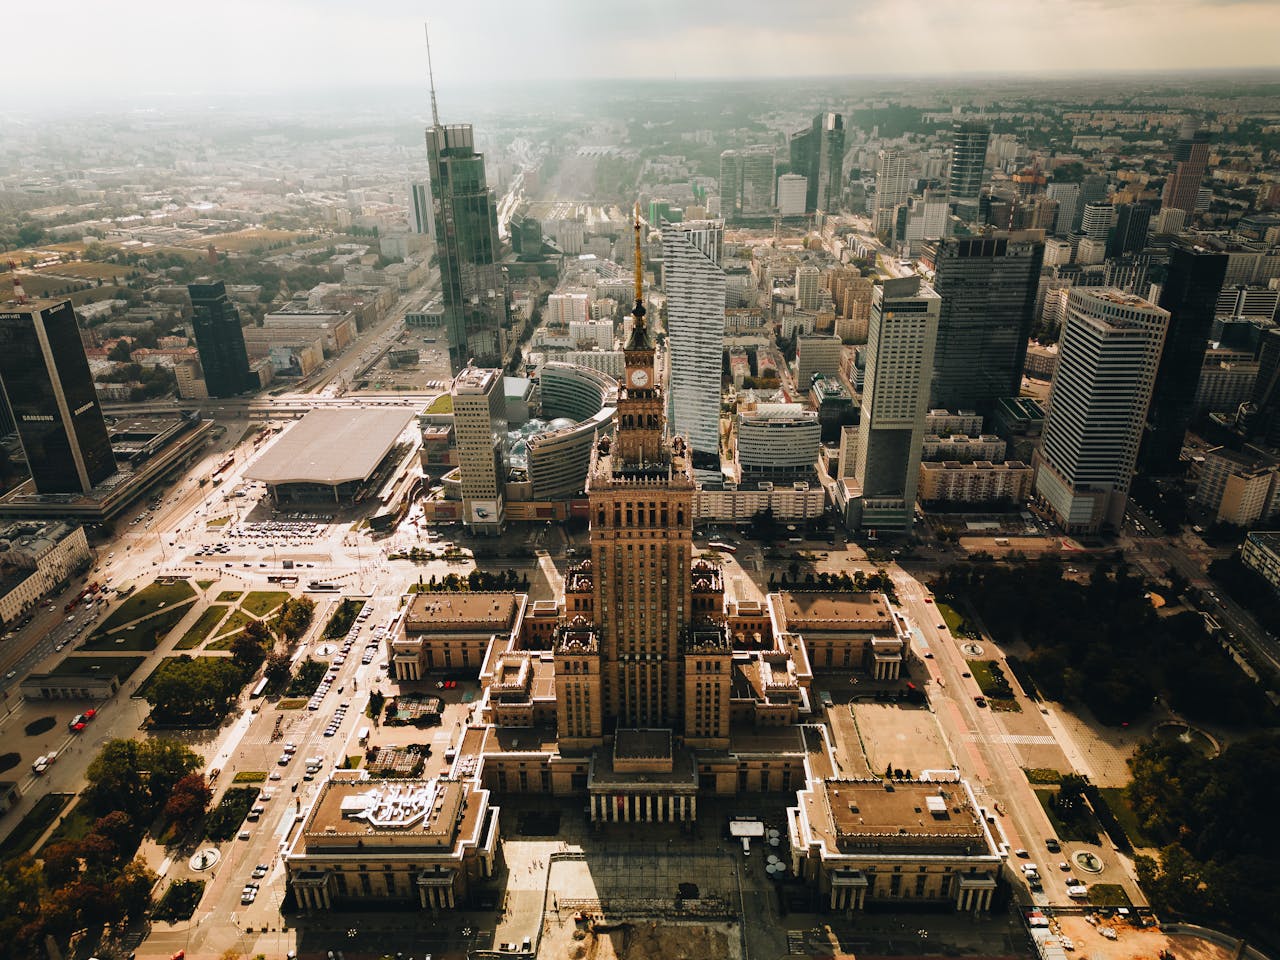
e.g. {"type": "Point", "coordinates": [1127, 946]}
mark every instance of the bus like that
{"type": "Point", "coordinates": [722, 547]}
{"type": "Point", "coordinates": [259, 689]}
{"type": "Point", "coordinates": [317, 586]}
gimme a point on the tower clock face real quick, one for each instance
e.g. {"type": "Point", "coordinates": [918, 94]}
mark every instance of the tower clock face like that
{"type": "Point", "coordinates": [639, 378]}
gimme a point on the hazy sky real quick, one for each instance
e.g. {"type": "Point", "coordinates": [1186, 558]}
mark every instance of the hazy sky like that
{"type": "Point", "coordinates": [75, 49]}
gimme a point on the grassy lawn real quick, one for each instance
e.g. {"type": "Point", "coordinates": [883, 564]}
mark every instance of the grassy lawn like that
{"type": "Point", "coordinates": [75, 825]}
{"type": "Point", "coordinates": [233, 625]}
{"type": "Point", "coordinates": [250, 776]}
{"type": "Point", "coordinates": [201, 629]}
{"type": "Point", "coordinates": [1108, 895]}
{"type": "Point", "coordinates": [306, 679]}
{"type": "Point", "coordinates": [441, 404]}
{"type": "Point", "coordinates": [219, 522]}
{"type": "Point", "coordinates": [179, 901]}
{"type": "Point", "coordinates": [223, 822]}
{"type": "Point", "coordinates": [1042, 774]}
{"type": "Point", "coordinates": [295, 703]}
{"type": "Point", "coordinates": [123, 667]}
{"type": "Point", "coordinates": [1081, 832]}
{"type": "Point", "coordinates": [989, 681]}
{"type": "Point", "coordinates": [229, 596]}
{"type": "Point", "coordinates": [261, 602]}
{"type": "Point", "coordinates": [36, 822]}
{"type": "Point", "coordinates": [955, 623]}
{"type": "Point", "coordinates": [143, 635]}
{"type": "Point", "coordinates": [1120, 809]}
{"type": "Point", "coordinates": [343, 618]}
{"type": "Point", "coordinates": [204, 584]}
{"type": "Point", "coordinates": [147, 601]}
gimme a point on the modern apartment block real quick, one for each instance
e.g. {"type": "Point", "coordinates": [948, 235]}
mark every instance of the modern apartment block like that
{"type": "Point", "coordinates": [219, 339]}
{"type": "Point", "coordinates": [1107, 362]}
{"type": "Point", "coordinates": [893, 188]}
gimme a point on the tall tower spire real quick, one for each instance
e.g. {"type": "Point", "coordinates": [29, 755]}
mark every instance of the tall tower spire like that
{"type": "Point", "coordinates": [638, 311]}
{"type": "Point", "coordinates": [435, 114]}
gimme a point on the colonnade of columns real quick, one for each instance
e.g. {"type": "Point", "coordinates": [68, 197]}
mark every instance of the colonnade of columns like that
{"type": "Point", "coordinates": [642, 807]}
{"type": "Point", "coordinates": [437, 898]}
{"type": "Point", "coordinates": [974, 898]}
{"type": "Point", "coordinates": [848, 898]}
{"type": "Point", "coordinates": [311, 897]}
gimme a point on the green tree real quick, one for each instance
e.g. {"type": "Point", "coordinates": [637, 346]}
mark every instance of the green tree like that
{"type": "Point", "coordinates": [135, 884]}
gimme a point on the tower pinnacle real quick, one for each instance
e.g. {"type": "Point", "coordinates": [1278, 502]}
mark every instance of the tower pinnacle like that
{"type": "Point", "coordinates": [638, 311]}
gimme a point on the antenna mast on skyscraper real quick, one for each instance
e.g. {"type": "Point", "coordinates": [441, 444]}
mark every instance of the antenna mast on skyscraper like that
{"type": "Point", "coordinates": [638, 311]}
{"type": "Point", "coordinates": [435, 114]}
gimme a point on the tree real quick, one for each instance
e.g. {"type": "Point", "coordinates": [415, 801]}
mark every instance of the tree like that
{"type": "Point", "coordinates": [278, 667]}
{"type": "Point", "coordinates": [114, 781]}
{"type": "Point", "coordinates": [61, 863]}
{"type": "Point", "coordinates": [134, 885]}
{"type": "Point", "coordinates": [246, 649]}
{"type": "Point", "coordinates": [188, 802]}
{"type": "Point", "coordinates": [194, 691]}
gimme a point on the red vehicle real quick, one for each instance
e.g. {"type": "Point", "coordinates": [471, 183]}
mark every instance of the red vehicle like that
{"type": "Point", "coordinates": [90, 714]}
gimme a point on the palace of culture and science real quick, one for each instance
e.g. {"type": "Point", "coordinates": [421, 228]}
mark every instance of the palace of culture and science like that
{"type": "Point", "coordinates": [646, 688]}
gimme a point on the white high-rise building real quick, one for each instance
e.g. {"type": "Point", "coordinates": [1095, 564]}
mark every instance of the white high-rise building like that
{"type": "Point", "coordinates": [695, 287]}
{"type": "Point", "coordinates": [808, 288]}
{"type": "Point", "coordinates": [901, 338]}
{"type": "Point", "coordinates": [568, 307]}
{"type": "Point", "coordinates": [893, 188]}
{"type": "Point", "coordinates": [1069, 209]}
{"type": "Point", "coordinates": [792, 189]}
{"type": "Point", "coordinates": [1107, 360]}
{"type": "Point", "coordinates": [480, 431]}
{"type": "Point", "coordinates": [421, 218]}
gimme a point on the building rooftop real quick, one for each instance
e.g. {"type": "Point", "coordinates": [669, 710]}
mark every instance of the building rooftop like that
{"type": "Point", "coordinates": [475, 380]}
{"type": "Point", "coordinates": [803, 612]}
{"type": "Point", "coordinates": [870, 808]}
{"type": "Point", "coordinates": [371, 813]}
{"type": "Point", "coordinates": [332, 446]}
{"type": "Point", "coordinates": [445, 611]}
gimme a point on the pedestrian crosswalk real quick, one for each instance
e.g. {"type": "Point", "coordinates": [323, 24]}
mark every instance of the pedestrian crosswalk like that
{"type": "Point", "coordinates": [1016, 739]}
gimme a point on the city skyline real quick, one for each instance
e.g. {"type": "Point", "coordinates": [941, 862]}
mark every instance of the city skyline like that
{"type": "Point", "coordinates": [296, 47]}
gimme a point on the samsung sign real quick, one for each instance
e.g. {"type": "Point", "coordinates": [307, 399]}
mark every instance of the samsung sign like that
{"type": "Point", "coordinates": [82, 408]}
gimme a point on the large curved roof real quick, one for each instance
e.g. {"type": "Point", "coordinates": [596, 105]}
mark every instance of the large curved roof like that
{"type": "Point", "coordinates": [332, 446]}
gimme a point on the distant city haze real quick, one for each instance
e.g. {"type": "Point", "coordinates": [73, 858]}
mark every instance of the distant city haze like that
{"type": "Point", "coordinates": [83, 52]}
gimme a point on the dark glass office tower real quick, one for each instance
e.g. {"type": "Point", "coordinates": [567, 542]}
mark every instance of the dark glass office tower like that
{"type": "Point", "coordinates": [475, 301]}
{"type": "Point", "coordinates": [50, 391]}
{"type": "Point", "coordinates": [1190, 294]}
{"type": "Point", "coordinates": [988, 288]}
{"type": "Point", "coordinates": [1129, 235]}
{"type": "Point", "coordinates": [818, 153]}
{"type": "Point", "coordinates": [969, 142]}
{"type": "Point", "coordinates": [219, 338]}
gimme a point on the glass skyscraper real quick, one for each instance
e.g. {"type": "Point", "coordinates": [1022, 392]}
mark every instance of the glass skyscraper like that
{"type": "Point", "coordinates": [467, 244]}
{"type": "Point", "coordinates": [988, 287]}
{"type": "Point", "coordinates": [219, 339]}
{"type": "Point", "coordinates": [968, 158]}
{"type": "Point", "coordinates": [818, 154]}
{"type": "Point", "coordinates": [46, 380]}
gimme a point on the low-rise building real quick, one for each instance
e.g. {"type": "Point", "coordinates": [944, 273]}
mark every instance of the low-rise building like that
{"type": "Point", "coordinates": [864, 842]}
{"type": "Point", "coordinates": [843, 631]}
{"type": "Point", "coordinates": [778, 442]}
{"type": "Point", "coordinates": [1261, 554]}
{"type": "Point", "coordinates": [424, 844]}
{"type": "Point", "coordinates": [734, 503]}
{"type": "Point", "coordinates": [452, 631]}
{"type": "Point", "coordinates": [1240, 487]}
{"type": "Point", "coordinates": [37, 557]}
{"type": "Point", "coordinates": [966, 449]}
{"type": "Point", "coordinates": [950, 481]}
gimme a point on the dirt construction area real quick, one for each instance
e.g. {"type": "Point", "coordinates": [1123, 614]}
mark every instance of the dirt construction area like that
{"type": "Point", "coordinates": [652, 940]}
{"type": "Point", "coordinates": [1134, 944]}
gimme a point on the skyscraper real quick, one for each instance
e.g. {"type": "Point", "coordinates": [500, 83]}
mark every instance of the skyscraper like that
{"type": "Point", "coordinates": [808, 287]}
{"type": "Point", "coordinates": [1099, 218]}
{"type": "Point", "coordinates": [219, 338]}
{"type": "Point", "coordinates": [792, 190]}
{"type": "Point", "coordinates": [1190, 295]}
{"type": "Point", "coordinates": [893, 188]}
{"type": "Point", "coordinates": [47, 383]}
{"type": "Point", "coordinates": [1190, 160]}
{"type": "Point", "coordinates": [895, 398]}
{"type": "Point", "coordinates": [817, 153]}
{"type": "Point", "coordinates": [1129, 235]}
{"type": "Point", "coordinates": [661, 664]}
{"type": "Point", "coordinates": [746, 182]}
{"type": "Point", "coordinates": [987, 285]}
{"type": "Point", "coordinates": [1070, 211]}
{"type": "Point", "coordinates": [969, 140]}
{"type": "Point", "coordinates": [467, 245]}
{"type": "Point", "coordinates": [695, 286]}
{"type": "Point", "coordinates": [1107, 361]}
{"type": "Point", "coordinates": [421, 217]}
{"type": "Point", "coordinates": [480, 431]}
